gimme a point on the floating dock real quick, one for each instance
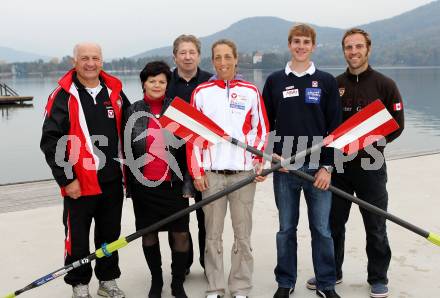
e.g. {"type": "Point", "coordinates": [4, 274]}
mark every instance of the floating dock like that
{"type": "Point", "coordinates": [15, 99]}
{"type": "Point", "coordinates": [10, 96]}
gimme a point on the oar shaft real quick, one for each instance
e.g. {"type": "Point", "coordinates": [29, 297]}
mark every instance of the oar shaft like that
{"type": "Point", "coordinates": [217, 195]}
{"type": "Point", "coordinates": [343, 194]}
{"type": "Point", "coordinates": [191, 208]}
{"type": "Point", "coordinates": [124, 241]}
{"type": "Point", "coordinates": [367, 206]}
{"type": "Point", "coordinates": [55, 274]}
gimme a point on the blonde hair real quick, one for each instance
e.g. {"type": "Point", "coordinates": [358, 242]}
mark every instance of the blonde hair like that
{"type": "Point", "coordinates": [302, 30]}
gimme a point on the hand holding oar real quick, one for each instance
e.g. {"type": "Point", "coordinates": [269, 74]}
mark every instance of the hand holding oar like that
{"type": "Point", "coordinates": [362, 129]}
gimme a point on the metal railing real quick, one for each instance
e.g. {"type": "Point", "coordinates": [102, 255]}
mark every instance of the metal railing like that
{"type": "Point", "coordinates": [5, 90]}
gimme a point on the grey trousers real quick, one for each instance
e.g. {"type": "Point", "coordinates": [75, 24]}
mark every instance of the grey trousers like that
{"type": "Point", "coordinates": [242, 262]}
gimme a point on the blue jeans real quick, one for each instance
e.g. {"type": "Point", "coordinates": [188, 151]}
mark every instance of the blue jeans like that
{"type": "Point", "coordinates": [287, 188]}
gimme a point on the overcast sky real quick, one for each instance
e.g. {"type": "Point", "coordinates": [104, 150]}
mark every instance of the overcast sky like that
{"type": "Point", "coordinates": [128, 27]}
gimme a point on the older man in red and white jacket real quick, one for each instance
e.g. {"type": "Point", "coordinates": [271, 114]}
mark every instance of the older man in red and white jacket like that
{"type": "Point", "coordinates": [81, 140]}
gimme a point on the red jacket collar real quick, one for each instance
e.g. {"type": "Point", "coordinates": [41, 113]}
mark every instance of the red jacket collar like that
{"type": "Point", "coordinates": [110, 81]}
{"type": "Point", "coordinates": [224, 84]}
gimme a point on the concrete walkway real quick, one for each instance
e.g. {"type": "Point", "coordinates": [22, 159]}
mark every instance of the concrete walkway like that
{"type": "Point", "coordinates": [32, 243]}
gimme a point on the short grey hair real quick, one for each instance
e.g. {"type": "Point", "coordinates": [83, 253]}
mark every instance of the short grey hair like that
{"type": "Point", "coordinates": [81, 44]}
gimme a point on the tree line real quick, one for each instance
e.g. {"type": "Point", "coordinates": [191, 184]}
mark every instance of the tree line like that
{"type": "Point", "coordinates": [412, 54]}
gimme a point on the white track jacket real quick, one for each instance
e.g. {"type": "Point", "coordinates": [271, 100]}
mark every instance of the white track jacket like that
{"type": "Point", "coordinates": [238, 108]}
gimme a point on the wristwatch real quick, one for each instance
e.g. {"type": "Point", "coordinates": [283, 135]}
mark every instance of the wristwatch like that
{"type": "Point", "coordinates": [329, 169]}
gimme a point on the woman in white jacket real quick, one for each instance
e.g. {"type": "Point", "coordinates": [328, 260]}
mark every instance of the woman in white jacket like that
{"type": "Point", "coordinates": [237, 107]}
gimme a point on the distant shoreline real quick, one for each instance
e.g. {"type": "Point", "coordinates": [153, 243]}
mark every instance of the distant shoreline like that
{"type": "Point", "coordinates": [386, 67]}
{"type": "Point", "coordinates": [57, 74]}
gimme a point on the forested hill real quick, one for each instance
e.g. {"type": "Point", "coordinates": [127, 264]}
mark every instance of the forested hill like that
{"type": "Point", "coordinates": [412, 38]}
{"type": "Point", "coordinates": [264, 34]}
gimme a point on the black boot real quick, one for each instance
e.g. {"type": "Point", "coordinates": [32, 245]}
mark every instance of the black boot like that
{"type": "Point", "coordinates": [154, 261]}
{"type": "Point", "coordinates": [178, 268]}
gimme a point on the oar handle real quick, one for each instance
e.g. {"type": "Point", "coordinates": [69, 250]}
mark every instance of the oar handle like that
{"type": "Point", "coordinates": [434, 238]}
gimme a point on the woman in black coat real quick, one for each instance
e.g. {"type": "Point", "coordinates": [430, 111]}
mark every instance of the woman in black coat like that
{"type": "Point", "coordinates": [158, 178]}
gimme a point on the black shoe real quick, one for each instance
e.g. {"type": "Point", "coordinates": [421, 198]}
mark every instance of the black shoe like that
{"type": "Point", "coordinates": [153, 257]}
{"type": "Point", "coordinates": [177, 290]}
{"type": "Point", "coordinates": [178, 272]}
{"type": "Point", "coordinates": [156, 288]}
{"type": "Point", "coordinates": [327, 294]}
{"type": "Point", "coordinates": [311, 283]}
{"type": "Point", "coordinates": [283, 292]}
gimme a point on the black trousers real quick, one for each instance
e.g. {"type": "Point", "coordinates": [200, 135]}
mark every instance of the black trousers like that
{"type": "Point", "coordinates": [370, 186]}
{"type": "Point", "coordinates": [105, 209]}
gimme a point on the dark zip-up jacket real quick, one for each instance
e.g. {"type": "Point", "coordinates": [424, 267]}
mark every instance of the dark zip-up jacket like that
{"type": "Point", "coordinates": [183, 89]}
{"type": "Point", "coordinates": [137, 126]}
{"type": "Point", "coordinates": [357, 91]}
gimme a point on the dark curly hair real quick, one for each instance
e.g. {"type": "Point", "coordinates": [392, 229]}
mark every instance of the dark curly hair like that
{"type": "Point", "coordinates": [153, 69]}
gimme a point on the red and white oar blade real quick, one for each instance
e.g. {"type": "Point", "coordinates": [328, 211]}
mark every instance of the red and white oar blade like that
{"type": "Point", "coordinates": [362, 129]}
{"type": "Point", "coordinates": [186, 122]}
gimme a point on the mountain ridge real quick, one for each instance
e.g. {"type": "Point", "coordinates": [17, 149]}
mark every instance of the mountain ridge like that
{"type": "Point", "coordinates": [411, 38]}
{"type": "Point", "coordinates": [10, 55]}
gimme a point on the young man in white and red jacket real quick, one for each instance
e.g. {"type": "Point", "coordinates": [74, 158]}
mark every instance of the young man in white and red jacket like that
{"type": "Point", "coordinates": [81, 140]}
{"type": "Point", "coordinates": [237, 107]}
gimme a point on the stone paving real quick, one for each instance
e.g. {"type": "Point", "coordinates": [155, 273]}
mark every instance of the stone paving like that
{"type": "Point", "coordinates": [32, 241]}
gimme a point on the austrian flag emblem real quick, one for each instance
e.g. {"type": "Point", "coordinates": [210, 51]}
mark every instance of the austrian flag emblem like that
{"type": "Point", "coordinates": [397, 106]}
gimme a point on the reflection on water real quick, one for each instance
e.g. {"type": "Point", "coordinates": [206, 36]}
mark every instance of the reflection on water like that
{"type": "Point", "coordinates": [7, 110]}
{"type": "Point", "coordinates": [20, 125]}
{"type": "Point", "coordinates": [424, 121]}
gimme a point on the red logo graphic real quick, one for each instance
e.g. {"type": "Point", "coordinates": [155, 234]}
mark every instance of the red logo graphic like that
{"type": "Point", "coordinates": [397, 106]}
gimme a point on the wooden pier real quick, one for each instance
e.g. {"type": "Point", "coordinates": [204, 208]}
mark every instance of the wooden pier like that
{"type": "Point", "coordinates": [10, 96]}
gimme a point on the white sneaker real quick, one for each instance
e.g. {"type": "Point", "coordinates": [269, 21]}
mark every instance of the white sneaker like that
{"type": "Point", "coordinates": [81, 291]}
{"type": "Point", "coordinates": [240, 296]}
{"type": "Point", "coordinates": [110, 289]}
{"type": "Point", "coordinates": [213, 296]}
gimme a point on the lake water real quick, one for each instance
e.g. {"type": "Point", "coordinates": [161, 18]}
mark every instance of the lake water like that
{"type": "Point", "coordinates": [20, 126]}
